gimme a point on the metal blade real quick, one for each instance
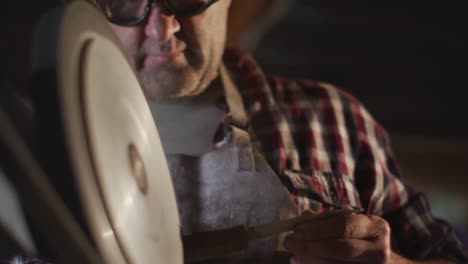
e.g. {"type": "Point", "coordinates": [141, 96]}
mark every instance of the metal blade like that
{"type": "Point", "coordinates": [260, 231]}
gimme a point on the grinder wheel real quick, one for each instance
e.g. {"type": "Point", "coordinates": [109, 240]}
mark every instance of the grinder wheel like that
{"type": "Point", "coordinates": [116, 155]}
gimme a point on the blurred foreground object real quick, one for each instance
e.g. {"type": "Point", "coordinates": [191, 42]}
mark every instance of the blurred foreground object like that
{"type": "Point", "coordinates": [100, 179]}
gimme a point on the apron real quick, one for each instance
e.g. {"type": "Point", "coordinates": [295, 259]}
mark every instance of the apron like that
{"type": "Point", "coordinates": [226, 187]}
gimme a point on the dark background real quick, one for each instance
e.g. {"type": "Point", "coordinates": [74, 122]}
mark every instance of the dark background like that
{"type": "Point", "coordinates": [17, 20]}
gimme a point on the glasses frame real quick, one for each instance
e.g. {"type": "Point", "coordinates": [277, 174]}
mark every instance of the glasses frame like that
{"type": "Point", "coordinates": [166, 3]}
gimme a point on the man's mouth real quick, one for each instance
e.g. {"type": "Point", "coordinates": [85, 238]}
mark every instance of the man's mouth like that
{"type": "Point", "coordinates": [162, 58]}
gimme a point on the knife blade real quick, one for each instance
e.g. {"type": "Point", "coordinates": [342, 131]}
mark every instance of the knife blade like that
{"type": "Point", "coordinates": [265, 230]}
{"type": "Point", "coordinates": [217, 243]}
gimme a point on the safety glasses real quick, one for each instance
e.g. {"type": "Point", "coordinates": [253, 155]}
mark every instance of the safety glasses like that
{"type": "Point", "coordinates": [131, 12]}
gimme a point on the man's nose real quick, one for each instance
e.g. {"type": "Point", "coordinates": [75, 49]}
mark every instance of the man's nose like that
{"type": "Point", "coordinates": [161, 26]}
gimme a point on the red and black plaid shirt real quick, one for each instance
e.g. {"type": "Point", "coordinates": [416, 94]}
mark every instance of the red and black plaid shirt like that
{"type": "Point", "coordinates": [330, 153]}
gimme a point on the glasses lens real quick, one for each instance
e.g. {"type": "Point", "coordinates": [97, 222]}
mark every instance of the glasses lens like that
{"type": "Point", "coordinates": [123, 10]}
{"type": "Point", "coordinates": [188, 7]}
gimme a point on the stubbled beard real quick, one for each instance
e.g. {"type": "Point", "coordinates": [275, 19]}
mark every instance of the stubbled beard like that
{"type": "Point", "coordinates": [165, 82]}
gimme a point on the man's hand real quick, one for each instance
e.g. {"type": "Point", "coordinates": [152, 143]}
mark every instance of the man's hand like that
{"type": "Point", "coordinates": [348, 238]}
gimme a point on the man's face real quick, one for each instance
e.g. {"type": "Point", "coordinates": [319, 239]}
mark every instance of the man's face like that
{"type": "Point", "coordinates": [176, 57]}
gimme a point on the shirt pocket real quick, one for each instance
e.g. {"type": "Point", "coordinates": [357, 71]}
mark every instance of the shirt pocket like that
{"type": "Point", "coordinates": [320, 190]}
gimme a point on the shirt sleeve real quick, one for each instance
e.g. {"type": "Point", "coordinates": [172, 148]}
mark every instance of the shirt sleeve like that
{"type": "Point", "coordinates": [416, 234]}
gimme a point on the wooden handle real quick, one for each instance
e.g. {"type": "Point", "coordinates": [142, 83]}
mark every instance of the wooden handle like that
{"type": "Point", "coordinates": [213, 244]}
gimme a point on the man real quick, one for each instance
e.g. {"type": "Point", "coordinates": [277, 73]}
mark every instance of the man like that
{"type": "Point", "coordinates": [324, 146]}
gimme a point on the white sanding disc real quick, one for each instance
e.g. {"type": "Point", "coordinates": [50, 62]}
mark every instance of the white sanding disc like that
{"type": "Point", "coordinates": [119, 164]}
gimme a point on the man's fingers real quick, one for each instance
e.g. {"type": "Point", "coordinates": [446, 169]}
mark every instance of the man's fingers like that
{"type": "Point", "coordinates": [350, 226]}
{"type": "Point", "coordinates": [343, 238]}
{"type": "Point", "coordinates": [338, 250]}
